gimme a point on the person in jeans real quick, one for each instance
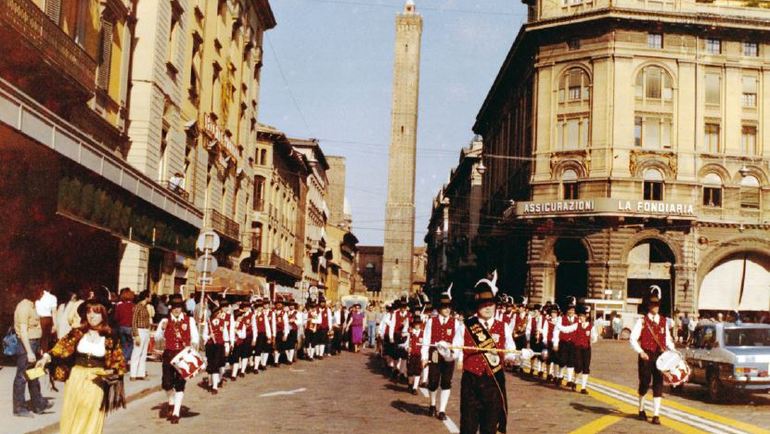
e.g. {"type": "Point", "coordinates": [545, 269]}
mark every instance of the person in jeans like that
{"type": "Point", "coordinates": [124, 315]}
{"type": "Point", "coordinates": [140, 331]}
{"type": "Point", "coordinates": [371, 325]}
{"type": "Point", "coordinates": [27, 324]}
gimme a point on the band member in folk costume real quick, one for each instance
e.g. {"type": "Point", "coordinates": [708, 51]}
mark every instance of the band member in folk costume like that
{"type": "Point", "coordinates": [550, 324]}
{"type": "Point", "coordinates": [179, 332]}
{"type": "Point", "coordinates": [264, 343]}
{"type": "Point", "coordinates": [279, 321]}
{"type": "Point", "coordinates": [383, 332]}
{"type": "Point", "coordinates": [311, 328]}
{"type": "Point", "coordinates": [584, 337]}
{"type": "Point", "coordinates": [650, 338]}
{"type": "Point", "coordinates": [534, 335]}
{"type": "Point", "coordinates": [245, 339]}
{"type": "Point", "coordinates": [519, 326]}
{"type": "Point", "coordinates": [441, 364]}
{"type": "Point", "coordinates": [218, 335]}
{"type": "Point", "coordinates": [289, 344]}
{"type": "Point", "coordinates": [413, 345]}
{"type": "Point", "coordinates": [325, 322]}
{"type": "Point", "coordinates": [563, 343]}
{"type": "Point", "coordinates": [399, 329]}
{"type": "Point", "coordinates": [483, 402]}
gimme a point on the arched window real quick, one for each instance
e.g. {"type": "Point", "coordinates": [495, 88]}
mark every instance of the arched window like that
{"type": "Point", "coordinates": [750, 197]}
{"type": "Point", "coordinates": [712, 190]}
{"type": "Point", "coordinates": [654, 83]}
{"type": "Point", "coordinates": [653, 184]}
{"type": "Point", "coordinates": [573, 119]}
{"type": "Point", "coordinates": [653, 119]}
{"type": "Point", "coordinates": [574, 86]}
{"type": "Point", "coordinates": [569, 180]}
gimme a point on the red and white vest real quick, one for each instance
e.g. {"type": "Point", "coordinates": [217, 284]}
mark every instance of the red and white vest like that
{"type": "Point", "coordinates": [566, 322]}
{"type": "Point", "coordinates": [582, 337]}
{"type": "Point", "coordinates": [646, 339]}
{"type": "Point", "coordinates": [440, 332]}
{"type": "Point", "coordinates": [474, 361]}
{"type": "Point", "coordinates": [177, 333]}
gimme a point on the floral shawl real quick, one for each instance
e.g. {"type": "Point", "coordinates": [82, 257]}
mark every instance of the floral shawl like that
{"type": "Point", "coordinates": [63, 355]}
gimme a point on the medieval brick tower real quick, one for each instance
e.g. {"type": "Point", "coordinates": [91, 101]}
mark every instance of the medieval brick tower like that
{"type": "Point", "coordinates": [399, 211]}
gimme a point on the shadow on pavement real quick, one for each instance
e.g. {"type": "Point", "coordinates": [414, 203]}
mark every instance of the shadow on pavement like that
{"type": "Point", "coordinates": [604, 411]}
{"type": "Point", "coordinates": [408, 407]}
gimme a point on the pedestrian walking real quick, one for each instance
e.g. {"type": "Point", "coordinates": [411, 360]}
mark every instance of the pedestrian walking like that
{"type": "Point", "coordinates": [90, 362]}
{"type": "Point", "coordinates": [46, 310]}
{"type": "Point", "coordinates": [140, 334]}
{"type": "Point", "coordinates": [371, 326]}
{"type": "Point", "coordinates": [26, 323]}
{"type": "Point", "coordinates": [356, 326]}
{"type": "Point", "coordinates": [617, 325]}
{"type": "Point", "coordinates": [124, 314]}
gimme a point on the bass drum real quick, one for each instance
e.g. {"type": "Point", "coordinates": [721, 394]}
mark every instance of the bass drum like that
{"type": "Point", "coordinates": [674, 368]}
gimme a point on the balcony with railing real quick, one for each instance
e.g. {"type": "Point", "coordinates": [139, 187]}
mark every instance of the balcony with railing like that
{"type": "Point", "coordinates": [222, 224]}
{"type": "Point", "coordinates": [272, 261]}
{"type": "Point", "coordinates": [39, 56]}
{"type": "Point", "coordinates": [176, 189]}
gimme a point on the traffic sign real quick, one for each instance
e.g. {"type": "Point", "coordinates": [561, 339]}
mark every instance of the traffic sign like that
{"type": "Point", "coordinates": [208, 241]}
{"type": "Point", "coordinates": [206, 264]}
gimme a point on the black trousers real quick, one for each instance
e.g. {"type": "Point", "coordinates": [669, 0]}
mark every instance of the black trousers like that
{"type": "Point", "coordinates": [170, 378]}
{"type": "Point", "coordinates": [649, 372]}
{"type": "Point", "coordinates": [483, 404]}
{"type": "Point", "coordinates": [440, 374]}
{"type": "Point", "coordinates": [566, 354]}
{"type": "Point", "coordinates": [582, 360]}
{"type": "Point", "coordinates": [215, 357]}
{"type": "Point", "coordinates": [553, 356]}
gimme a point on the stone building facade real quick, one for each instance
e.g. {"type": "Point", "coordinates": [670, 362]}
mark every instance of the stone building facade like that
{"type": "Point", "coordinates": [627, 145]}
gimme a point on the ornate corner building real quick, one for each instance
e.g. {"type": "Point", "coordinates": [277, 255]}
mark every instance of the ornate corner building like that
{"type": "Point", "coordinates": [626, 143]}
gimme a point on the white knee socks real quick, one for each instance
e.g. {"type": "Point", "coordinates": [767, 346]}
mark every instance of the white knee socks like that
{"type": "Point", "coordinates": [656, 406]}
{"type": "Point", "coordinates": [276, 357]}
{"type": "Point", "coordinates": [215, 381]}
{"type": "Point", "coordinates": [235, 370]}
{"type": "Point", "coordinates": [290, 355]}
{"type": "Point", "coordinates": [178, 402]}
{"type": "Point", "coordinates": [433, 398]}
{"type": "Point", "coordinates": [170, 396]}
{"type": "Point", "coordinates": [584, 382]}
{"type": "Point", "coordinates": [571, 375]}
{"type": "Point", "coordinates": [444, 399]}
{"type": "Point", "coordinates": [416, 382]}
{"type": "Point", "coordinates": [264, 358]}
{"type": "Point", "coordinates": [310, 353]}
{"type": "Point", "coordinates": [641, 403]}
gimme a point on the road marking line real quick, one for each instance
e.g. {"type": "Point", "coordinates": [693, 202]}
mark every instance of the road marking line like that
{"type": "Point", "coordinates": [598, 425]}
{"type": "Point", "coordinates": [282, 392]}
{"type": "Point", "coordinates": [627, 406]}
{"type": "Point", "coordinates": [691, 410]}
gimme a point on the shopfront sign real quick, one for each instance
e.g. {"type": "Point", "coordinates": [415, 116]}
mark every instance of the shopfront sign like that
{"type": "Point", "coordinates": [605, 206]}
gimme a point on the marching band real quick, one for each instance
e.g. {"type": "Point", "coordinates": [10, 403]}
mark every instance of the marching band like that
{"type": "Point", "coordinates": [421, 346]}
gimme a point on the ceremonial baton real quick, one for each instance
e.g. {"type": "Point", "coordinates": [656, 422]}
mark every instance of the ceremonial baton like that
{"type": "Point", "coordinates": [525, 354]}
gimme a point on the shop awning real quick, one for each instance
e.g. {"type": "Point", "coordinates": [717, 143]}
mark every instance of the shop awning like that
{"type": "Point", "coordinates": [236, 283]}
{"type": "Point", "coordinates": [740, 282]}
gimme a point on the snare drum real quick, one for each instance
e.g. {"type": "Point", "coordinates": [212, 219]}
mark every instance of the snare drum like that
{"type": "Point", "coordinates": [674, 368]}
{"type": "Point", "coordinates": [188, 363]}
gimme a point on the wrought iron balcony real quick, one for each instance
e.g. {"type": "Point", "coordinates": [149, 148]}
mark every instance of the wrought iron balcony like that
{"type": "Point", "coordinates": [36, 47]}
{"type": "Point", "coordinates": [176, 189]}
{"type": "Point", "coordinates": [275, 262]}
{"type": "Point", "coordinates": [222, 224]}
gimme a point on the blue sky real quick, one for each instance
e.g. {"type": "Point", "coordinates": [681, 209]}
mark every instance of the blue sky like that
{"type": "Point", "coordinates": [327, 74]}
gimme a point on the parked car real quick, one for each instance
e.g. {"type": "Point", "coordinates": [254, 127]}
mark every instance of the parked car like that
{"type": "Point", "coordinates": [725, 356]}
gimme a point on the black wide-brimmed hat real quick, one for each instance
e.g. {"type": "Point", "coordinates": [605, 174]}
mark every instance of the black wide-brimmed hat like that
{"type": "Point", "coordinates": [176, 301]}
{"type": "Point", "coordinates": [485, 291]}
{"type": "Point", "coordinates": [445, 299]}
{"type": "Point", "coordinates": [653, 298]}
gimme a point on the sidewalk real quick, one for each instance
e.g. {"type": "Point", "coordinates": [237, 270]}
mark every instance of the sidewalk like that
{"type": "Point", "coordinates": [49, 421]}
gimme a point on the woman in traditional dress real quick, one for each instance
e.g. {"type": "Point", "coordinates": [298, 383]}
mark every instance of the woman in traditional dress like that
{"type": "Point", "coordinates": [91, 362]}
{"type": "Point", "coordinates": [356, 326]}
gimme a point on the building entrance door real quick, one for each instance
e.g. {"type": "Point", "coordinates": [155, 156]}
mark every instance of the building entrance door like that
{"type": "Point", "coordinates": [651, 262]}
{"type": "Point", "coordinates": [571, 270]}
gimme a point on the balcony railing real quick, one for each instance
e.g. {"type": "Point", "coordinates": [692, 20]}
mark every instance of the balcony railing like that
{"type": "Point", "coordinates": [222, 224]}
{"type": "Point", "coordinates": [176, 189]}
{"type": "Point", "coordinates": [30, 24]}
{"type": "Point", "coordinates": [271, 260]}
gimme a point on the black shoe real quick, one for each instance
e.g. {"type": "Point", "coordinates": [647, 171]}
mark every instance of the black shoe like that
{"type": "Point", "coordinates": [442, 416]}
{"type": "Point", "coordinates": [643, 415]}
{"type": "Point", "coordinates": [584, 391]}
{"type": "Point", "coordinates": [432, 411]}
{"type": "Point", "coordinates": [413, 391]}
{"type": "Point", "coordinates": [573, 386]}
{"type": "Point", "coordinates": [655, 420]}
{"type": "Point", "coordinates": [174, 420]}
{"type": "Point", "coordinates": [23, 413]}
{"type": "Point", "coordinates": [549, 378]}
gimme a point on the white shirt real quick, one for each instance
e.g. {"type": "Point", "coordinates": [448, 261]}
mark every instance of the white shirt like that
{"type": "Point", "coordinates": [636, 333]}
{"type": "Point", "coordinates": [94, 347]}
{"type": "Point", "coordinates": [46, 305]}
